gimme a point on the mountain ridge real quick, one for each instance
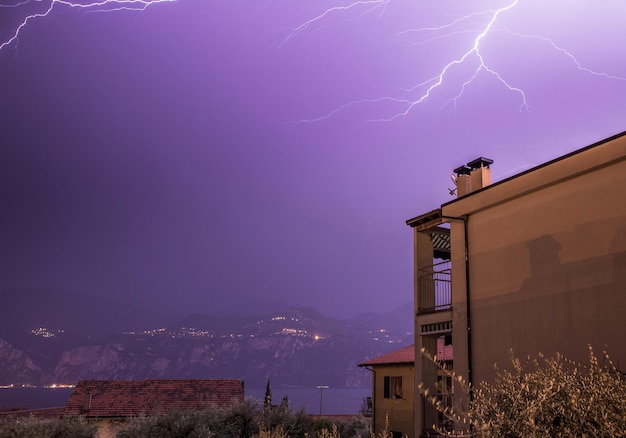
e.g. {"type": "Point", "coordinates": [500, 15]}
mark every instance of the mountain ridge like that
{"type": "Point", "coordinates": [295, 346]}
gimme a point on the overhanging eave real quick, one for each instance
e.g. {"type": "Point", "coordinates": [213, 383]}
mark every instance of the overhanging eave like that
{"type": "Point", "coordinates": [426, 220]}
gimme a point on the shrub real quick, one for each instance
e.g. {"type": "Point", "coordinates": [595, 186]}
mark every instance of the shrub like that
{"type": "Point", "coordinates": [294, 424]}
{"type": "Point", "coordinates": [355, 427]}
{"type": "Point", "coordinates": [172, 424]}
{"type": "Point", "coordinates": [31, 427]}
{"type": "Point", "coordinates": [243, 420]}
{"type": "Point", "coordinates": [239, 421]}
{"type": "Point", "coordinates": [278, 432]}
{"type": "Point", "coordinates": [323, 424]}
{"type": "Point", "coordinates": [546, 397]}
{"type": "Point", "coordinates": [284, 423]}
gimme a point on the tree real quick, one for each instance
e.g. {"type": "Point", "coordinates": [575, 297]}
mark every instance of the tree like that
{"type": "Point", "coordinates": [267, 401]}
{"type": "Point", "coordinates": [546, 396]}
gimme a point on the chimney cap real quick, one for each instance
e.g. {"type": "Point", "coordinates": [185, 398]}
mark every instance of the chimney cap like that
{"type": "Point", "coordinates": [480, 162]}
{"type": "Point", "coordinates": [462, 170]}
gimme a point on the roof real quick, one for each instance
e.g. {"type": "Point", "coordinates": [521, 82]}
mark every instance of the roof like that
{"type": "Point", "coordinates": [127, 398]}
{"type": "Point", "coordinates": [403, 356]}
{"type": "Point", "coordinates": [533, 169]}
{"type": "Point", "coordinates": [426, 220]}
{"type": "Point", "coordinates": [441, 242]}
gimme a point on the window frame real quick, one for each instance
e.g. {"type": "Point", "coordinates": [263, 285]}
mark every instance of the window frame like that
{"type": "Point", "coordinates": [392, 388]}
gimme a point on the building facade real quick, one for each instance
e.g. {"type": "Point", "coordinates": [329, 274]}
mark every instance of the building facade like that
{"type": "Point", "coordinates": [534, 263]}
{"type": "Point", "coordinates": [393, 392]}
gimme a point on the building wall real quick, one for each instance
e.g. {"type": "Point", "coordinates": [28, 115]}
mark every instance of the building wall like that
{"type": "Point", "coordinates": [426, 370]}
{"type": "Point", "coordinates": [399, 411]}
{"type": "Point", "coordinates": [547, 263]}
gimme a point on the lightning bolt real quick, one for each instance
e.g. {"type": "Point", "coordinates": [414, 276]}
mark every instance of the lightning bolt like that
{"type": "Point", "coordinates": [52, 5]}
{"type": "Point", "coordinates": [367, 5]}
{"type": "Point", "coordinates": [567, 54]}
{"type": "Point", "coordinates": [473, 56]}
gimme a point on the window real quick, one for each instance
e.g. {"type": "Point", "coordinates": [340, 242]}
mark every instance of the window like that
{"type": "Point", "coordinates": [393, 387]}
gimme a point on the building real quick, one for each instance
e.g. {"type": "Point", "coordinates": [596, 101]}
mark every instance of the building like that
{"type": "Point", "coordinates": [533, 263]}
{"type": "Point", "coordinates": [111, 402]}
{"type": "Point", "coordinates": [393, 392]}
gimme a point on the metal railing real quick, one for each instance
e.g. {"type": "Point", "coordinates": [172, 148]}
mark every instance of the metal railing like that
{"type": "Point", "coordinates": [366, 407]}
{"type": "Point", "coordinates": [434, 421]}
{"type": "Point", "coordinates": [435, 292]}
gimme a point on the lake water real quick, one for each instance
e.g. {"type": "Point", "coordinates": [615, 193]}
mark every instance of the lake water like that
{"type": "Point", "coordinates": [34, 398]}
{"type": "Point", "coordinates": [335, 401]}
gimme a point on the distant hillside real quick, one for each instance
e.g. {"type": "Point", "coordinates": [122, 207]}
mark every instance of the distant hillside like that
{"type": "Point", "coordinates": [61, 337]}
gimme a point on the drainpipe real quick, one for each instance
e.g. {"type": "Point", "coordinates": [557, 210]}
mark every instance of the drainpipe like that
{"type": "Point", "coordinates": [468, 312]}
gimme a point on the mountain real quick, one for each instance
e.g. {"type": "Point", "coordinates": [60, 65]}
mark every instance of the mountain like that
{"type": "Point", "coordinates": [59, 337]}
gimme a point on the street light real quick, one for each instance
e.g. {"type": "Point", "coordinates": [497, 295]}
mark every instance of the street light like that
{"type": "Point", "coordinates": [322, 388]}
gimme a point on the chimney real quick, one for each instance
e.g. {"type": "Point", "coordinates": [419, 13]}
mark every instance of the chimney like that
{"type": "Point", "coordinates": [473, 176]}
{"type": "Point", "coordinates": [462, 180]}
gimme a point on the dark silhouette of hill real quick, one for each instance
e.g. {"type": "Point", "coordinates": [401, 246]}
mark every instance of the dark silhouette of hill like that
{"type": "Point", "coordinates": [267, 323]}
{"type": "Point", "coordinates": [399, 320]}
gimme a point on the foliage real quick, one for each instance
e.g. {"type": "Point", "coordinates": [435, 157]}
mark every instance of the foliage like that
{"type": "Point", "coordinates": [546, 397]}
{"type": "Point", "coordinates": [32, 427]}
{"type": "Point", "coordinates": [173, 424]}
{"type": "Point", "coordinates": [267, 401]}
{"type": "Point", "coordinates": [295, 424]}
{"type": "Point", "coordinates": [323, 424]}
{"type": "Point", "coordinates": [239, 421]}
{"type": "Point", "coordinates": [284, 423]}
{"type": "Point", "coordinates": [355, 426]}
{"type": "Point", "coordinates": [243, 420]}
{"type": "Point", "coordinates": [351, 430]}
{"type": "Point", "coordinates": [278, 432]}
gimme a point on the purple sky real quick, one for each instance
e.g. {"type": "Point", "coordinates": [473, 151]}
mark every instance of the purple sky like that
{"type": "Point", "coordinates": [200, 154]}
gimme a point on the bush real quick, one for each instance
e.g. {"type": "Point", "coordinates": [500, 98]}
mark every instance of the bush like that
{"type": "Point", "coordinates": [31, 427]}
{"type": "Point", "coordinates": [243, 420]}
{"type": "Point", "coordinates": [546, 397]}
{"type": "Point", "coordinates": [355, 427]}
{"type": "Point", "coordinates": [293, 424]}
{"type": "Point", "coordinates": [239, 421]}
{"type": "Point", "coordinates": [281, 422]}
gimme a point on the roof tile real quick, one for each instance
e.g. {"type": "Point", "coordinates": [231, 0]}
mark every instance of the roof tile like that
{"type": "Point", "coordinates": [404, 355]}
{"type": "Point", "coordinates": [126, 398]}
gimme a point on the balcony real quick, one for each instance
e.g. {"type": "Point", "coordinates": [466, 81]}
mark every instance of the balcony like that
{"type": "Point", "coordinates": [435, 292]}
{"type": "Point", "coordinates": [435, 422]}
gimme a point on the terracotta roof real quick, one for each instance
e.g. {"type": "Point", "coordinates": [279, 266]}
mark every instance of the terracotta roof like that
{"type": "Point", "coordinates": [402, 356]}
{"type": "Point", "coordinates": [128, 398]}
{"type": "Point", "coordinates": [445, 352]}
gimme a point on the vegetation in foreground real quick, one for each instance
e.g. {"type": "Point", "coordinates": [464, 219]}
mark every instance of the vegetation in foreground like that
{"type": "Point", "coordinates": [20, 427]}
{"type": "Point", "coordinates": [244, 420]}
{"type": "Point", "coordinates": [542, 397]}
{"type": "Point", "coordinates": [545, 397]}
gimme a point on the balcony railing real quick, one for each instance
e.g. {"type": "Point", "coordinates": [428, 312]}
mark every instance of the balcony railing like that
{"type": "Point", "coordinates": [435, 292]}
{"type": "Point", "coordinates": [435, 423]}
